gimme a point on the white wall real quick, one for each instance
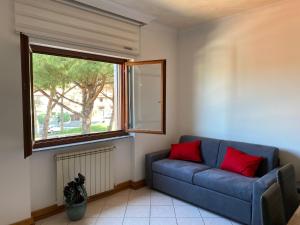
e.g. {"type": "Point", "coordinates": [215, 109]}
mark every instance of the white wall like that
{"type": "Point", "coordinates": [30, 184]}
{"type": "Point", "coordinates": [240, 79]}
{"type": "Point", "coordinates": [14, 170]}
{"type": "Point", "coordinates": [43, 170]}
{"type": "Point", "coordinates": [158, 42]}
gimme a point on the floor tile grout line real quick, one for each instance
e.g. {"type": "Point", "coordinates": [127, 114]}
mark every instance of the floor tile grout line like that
{"type": "Point", "coordinates": [201, 216]}
{"type": "Point", "coordinates": [174, 211]}
{"type": "Point", "coordinates": [126, 207]}
{"type": "Point", "coordinates": [150, 206]}
{"type": "Point", "coordinates": [95, 219]}
{"type": "Point", "coordinates": [104, 204]}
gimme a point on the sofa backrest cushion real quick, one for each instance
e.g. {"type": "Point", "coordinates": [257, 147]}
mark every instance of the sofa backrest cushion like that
{"type": "Point", "coordinates": [209, 148]}
{"type": "Point", "coordinates": [270, 154]}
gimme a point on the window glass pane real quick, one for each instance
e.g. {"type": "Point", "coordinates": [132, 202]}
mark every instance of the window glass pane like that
{"type": "Point", "coordinates": [145, 103]}
{"type": "Point", "coordinates": [74, 96]}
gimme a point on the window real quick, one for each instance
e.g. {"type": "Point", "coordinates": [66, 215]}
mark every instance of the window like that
{"type": "Point", "coordinates": [71, 96]}
{"type": "Point", "coordinates": [74, 96]}
{"type": "Point", "coordinates": [146, 96]}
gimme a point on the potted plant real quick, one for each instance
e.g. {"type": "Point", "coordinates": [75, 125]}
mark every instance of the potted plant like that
{"type": "Point", "coordinates": [76, 198]}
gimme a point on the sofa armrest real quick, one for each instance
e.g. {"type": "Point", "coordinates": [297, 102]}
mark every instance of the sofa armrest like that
{"type": "Point", "coordinates": [259, 187]}
{"type": "Point", "coordinates": [150, 158]}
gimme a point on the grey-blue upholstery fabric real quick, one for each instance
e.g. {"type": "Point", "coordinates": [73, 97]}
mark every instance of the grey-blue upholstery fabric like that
{"type": "Point", "coordinates": [270, 154]}
{"type": "Point", "coordinates": [150, 158]}
{"type": "Point", "coordinates": [182, 170]}
{"type": "Point", "coordinates": [259, 187]}
{"type": "Point", "coordinates": [286, 178]}
{"type": "Point", "coordinates": [225, 182]}
{"type": "Point", "coordinates": [272, 206]}
{"type": "Point", "coordinates": [230, 196]}
{"type": "Point", "coordinates": [209, 148]}
{"type": "Point", "coordinates": [216, 202]}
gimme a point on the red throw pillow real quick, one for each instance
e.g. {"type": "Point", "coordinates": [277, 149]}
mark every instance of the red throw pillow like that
{"type": "Point", "coordinates": [240, 162]}
{"type": "Point", "coordinates": [188, 151]}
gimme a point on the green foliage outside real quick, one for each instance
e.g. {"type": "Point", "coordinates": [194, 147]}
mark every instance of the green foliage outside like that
{"type": "Point", "coordinates": [56, 116]}
{"type": "Point", "coordinates": [41, 118]}
{"type": "Point", "coordinates": [55, 76]}
{"type": "Point", "coordinates": [66, 116]}
{"type": "Point", "coordinates": [94, 128]}
{"type": "Point", "coordinates": [52, 72]}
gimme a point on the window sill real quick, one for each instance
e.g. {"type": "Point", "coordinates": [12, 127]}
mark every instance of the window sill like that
{"type": "Point", "coordinates": [77, 139]}
{"type": "Point", "coordinates": [60, 147]}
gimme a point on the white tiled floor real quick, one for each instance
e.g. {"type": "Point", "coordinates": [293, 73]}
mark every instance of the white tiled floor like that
{"type": "Point", "coordinates": [141, 207]}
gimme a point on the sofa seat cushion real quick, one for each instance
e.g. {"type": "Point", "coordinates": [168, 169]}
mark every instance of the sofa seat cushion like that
{"type": "Point", "coordinates": [178, 169]}
{"type": "Point", "coordinates": [226, 182]}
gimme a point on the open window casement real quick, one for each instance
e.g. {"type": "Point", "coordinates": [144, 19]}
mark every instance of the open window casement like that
{"type": "Point", "coordinates": [145, 102]}
{"type": "Point", "coordinates": [140, 87]}
{"type": "Point", "coordinates": [27, 90]}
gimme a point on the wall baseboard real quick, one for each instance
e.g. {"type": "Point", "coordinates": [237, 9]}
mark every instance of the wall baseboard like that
{"type": "Point", "coordinates": [29, 221]}
{"type": "Point", "coordinates": [137, 184]}
{"type": "Point", "coordinates": [117, 188]}
{"type": "Point", "coordinates": [55, 209]}
{"type": "Point", "coordinates": [47, 212]}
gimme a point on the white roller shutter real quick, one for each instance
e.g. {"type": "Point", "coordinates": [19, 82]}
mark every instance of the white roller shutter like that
{"type": "Point", "coordinates": [55, 21]}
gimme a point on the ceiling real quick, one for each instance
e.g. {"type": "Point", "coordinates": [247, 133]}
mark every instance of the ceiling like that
{"type": "Point", "coordinates": [185, 13]}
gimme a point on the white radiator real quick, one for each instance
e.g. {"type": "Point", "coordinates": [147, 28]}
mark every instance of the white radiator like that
{"type": "Point", "coordinates": [96, 165]}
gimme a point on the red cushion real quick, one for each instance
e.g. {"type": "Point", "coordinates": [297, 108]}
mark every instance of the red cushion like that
{"type": "Point", "coordinates": [240, 162]}
{"type": "Point", "coordinates": [188, 151]}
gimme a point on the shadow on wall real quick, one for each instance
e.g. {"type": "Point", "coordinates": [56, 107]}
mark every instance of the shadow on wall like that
{"type": "Point", "coordinates": [287, 156]}
{"type": "Point", "coordinates": [240, 79]}
{"type": "Point", "coordinates": [212, 84]}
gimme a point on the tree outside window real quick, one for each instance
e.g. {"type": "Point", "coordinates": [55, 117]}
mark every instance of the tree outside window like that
{"type": "Point", "coordinates": [73, 96]}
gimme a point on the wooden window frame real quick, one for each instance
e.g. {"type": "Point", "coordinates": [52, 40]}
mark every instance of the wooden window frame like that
{"type": "Point", "coordinates": [26, 95]}
{"type": "Point", "coordinates": [28, 98]}
{"type": "Point", "coordinates": [163, 63]}
{"type": "Point", "coordinates": [27, 81]}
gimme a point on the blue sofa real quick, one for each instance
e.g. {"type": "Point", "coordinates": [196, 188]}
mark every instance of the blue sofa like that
{"type": "Point", "coordinates": [204, 184]}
